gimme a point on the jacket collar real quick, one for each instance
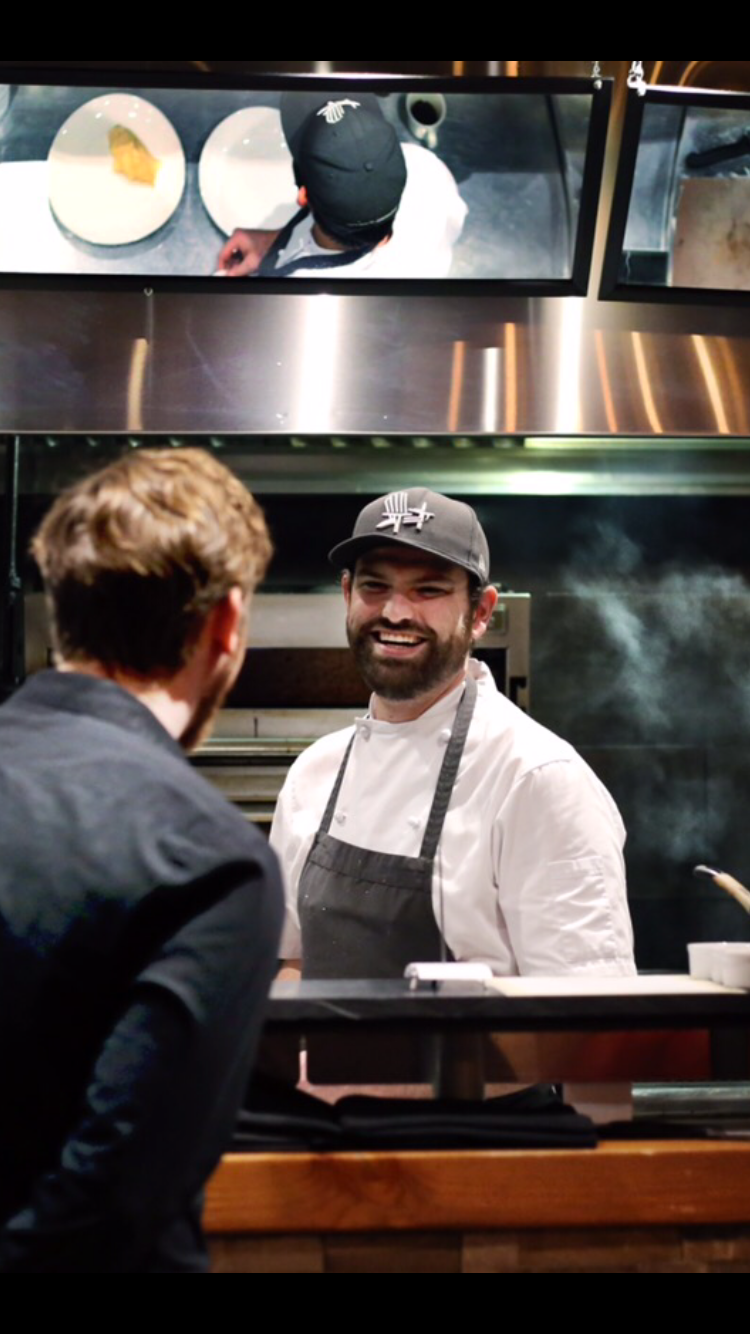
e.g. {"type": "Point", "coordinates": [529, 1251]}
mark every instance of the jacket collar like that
{"type": "Point", "coordinates": [73, 692]}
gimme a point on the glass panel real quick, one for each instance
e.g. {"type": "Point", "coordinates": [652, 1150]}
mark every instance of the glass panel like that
{"type": "Point", "coordinates": [687, 223]}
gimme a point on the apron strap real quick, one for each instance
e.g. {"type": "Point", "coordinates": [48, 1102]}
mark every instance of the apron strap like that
{"type": "Point", "coordinates": [325, 824]}
{"type": "Point", "coordinates": [336, 260]}
{"type": "Point", "coordinates": [449, 771]}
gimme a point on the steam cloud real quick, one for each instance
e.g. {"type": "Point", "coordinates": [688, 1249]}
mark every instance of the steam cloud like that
{"type": "Point", "coordinates": [661, 659]}
{"type": "Point", "coordinates": [679, 644]}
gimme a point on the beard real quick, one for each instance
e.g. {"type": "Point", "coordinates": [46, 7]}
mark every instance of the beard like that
{"type": "Point", "coordinates": [202, 723]}
{"type": "Point", "coordinates": [215, 692]}
{"type": "Point", "coordinates": [438, 660]}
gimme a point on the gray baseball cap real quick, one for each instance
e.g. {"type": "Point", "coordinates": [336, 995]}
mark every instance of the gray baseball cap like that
{"type": "Point", "coordinates": [428, 522]}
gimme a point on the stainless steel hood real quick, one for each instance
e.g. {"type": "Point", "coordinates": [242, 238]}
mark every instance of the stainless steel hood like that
{"type": "Point", "coordinates": [340, 365]}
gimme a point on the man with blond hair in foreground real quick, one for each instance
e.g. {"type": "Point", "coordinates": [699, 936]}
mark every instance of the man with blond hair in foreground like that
{"type": "Point", "coordinates": [139, 913]}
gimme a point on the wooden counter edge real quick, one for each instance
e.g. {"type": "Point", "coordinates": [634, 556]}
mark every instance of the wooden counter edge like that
{"type": "Point", "coordinates": [646, 1184]}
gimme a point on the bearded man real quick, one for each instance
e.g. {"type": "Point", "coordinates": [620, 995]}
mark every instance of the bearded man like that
{"type": "Point", "coordinates": [445, 823]}
{"type": "Point", "coordinates": [139, 913]}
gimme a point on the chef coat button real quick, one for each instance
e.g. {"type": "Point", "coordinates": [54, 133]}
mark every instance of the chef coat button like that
{"type": "Point", "coordinates": [364, 731]}
{"type": "Point", "coordinates": [341, 818]}
{"type": "Point", "coordinates": [415, 821]}
{"type": "Point", "coordinates": [445, 736]}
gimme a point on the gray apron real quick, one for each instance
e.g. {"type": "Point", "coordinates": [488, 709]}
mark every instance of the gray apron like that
{"type": "Point", "coordinates": [367, 914]}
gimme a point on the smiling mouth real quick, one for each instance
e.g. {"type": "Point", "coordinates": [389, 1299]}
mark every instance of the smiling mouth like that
{"type": "Point", "coordinates": [394, 639]}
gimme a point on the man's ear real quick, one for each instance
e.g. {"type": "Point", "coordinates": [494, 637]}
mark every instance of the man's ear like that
{"type": "Point", "coordinates": [346, 586]}
{"type": "Point", "coordinates": [484, 612]}
{"type": "Point", "coordinates": [229, 622]}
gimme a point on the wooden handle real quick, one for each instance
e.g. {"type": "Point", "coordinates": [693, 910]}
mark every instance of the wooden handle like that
{"type": "Point", "coordinates": [733, 887]}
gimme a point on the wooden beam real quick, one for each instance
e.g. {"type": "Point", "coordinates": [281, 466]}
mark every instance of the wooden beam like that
{"type": "Point", "coordinates": [644, 1184]}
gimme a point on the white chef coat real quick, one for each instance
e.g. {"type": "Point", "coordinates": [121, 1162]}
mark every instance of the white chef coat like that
{"type": "Point", "coordinates": [428, 224]}
{"type": "Point", "coordinates": [529, 877]}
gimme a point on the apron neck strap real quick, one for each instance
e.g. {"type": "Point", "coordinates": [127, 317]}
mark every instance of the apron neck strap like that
{"type": "Point", "coordinates": [449, 771]}
{"type": "Point", "coordinates": [325, 824]}
{"type": "Point", "coordinates": [336, 260]}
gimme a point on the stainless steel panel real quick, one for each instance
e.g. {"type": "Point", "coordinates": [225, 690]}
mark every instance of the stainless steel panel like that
{"type": "Point", "coordinates": [281, 733]}
{"type": "Point", "coordinates": [481, 467]}
{"type": "Point", "coordinates": [75, 361]}
{"type": "Point", "coordinates": [345, 365]}
{"type": "Point", "coordinates": [317, 620]}
{"type": "Point", "coordinates": [254, 791]}
{"type": "Point", "coordinates": [280, 620]}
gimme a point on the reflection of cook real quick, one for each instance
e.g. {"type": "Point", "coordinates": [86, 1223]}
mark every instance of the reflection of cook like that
{"type": "Point", "coordinates": [368, 206]}
{"type": "Point", "coordinates": [445, 815]}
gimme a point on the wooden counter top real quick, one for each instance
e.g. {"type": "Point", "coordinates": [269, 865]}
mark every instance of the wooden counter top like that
{"type": "Point", "coordinates": [651, 1184]}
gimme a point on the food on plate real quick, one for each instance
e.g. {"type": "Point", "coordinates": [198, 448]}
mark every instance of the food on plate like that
{"type": "Point", "coordinates": [131, 157]}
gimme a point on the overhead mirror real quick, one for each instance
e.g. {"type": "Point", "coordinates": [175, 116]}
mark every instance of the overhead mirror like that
{"type": "Point", "coordinates": [681, 220]}
{"type": "Point", "coordinates": [477, 185]}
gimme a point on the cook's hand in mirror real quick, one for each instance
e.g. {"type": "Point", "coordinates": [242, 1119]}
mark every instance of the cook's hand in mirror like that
{"type": "Point", "coordinates": [244, 252]}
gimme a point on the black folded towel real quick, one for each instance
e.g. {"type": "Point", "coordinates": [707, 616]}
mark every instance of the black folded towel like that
{"type": "Point", "coordinates": [277, 1117]}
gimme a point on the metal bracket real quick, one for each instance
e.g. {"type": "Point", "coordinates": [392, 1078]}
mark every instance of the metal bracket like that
{"type": "Point", "coordinates": [637, 78]}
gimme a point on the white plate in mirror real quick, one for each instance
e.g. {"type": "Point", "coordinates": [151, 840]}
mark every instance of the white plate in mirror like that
{"type": "Point", "coordinates": [245, 174]}
{"type": "Point", "coordinates": [116, 170]}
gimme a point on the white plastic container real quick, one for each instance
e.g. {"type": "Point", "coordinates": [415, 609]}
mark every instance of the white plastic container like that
{"type": "Point", "coordinates": [723, 962]}
{"type": "Point", "coordinates": [701, 958]}
{"type": "Point", "coordinates": [735, 966]}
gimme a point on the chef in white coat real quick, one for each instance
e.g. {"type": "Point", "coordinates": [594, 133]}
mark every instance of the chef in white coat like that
{"type": "Point", "coordinates": [369, 206]}
{"type": "Point", "coordinates": [445, 823]}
